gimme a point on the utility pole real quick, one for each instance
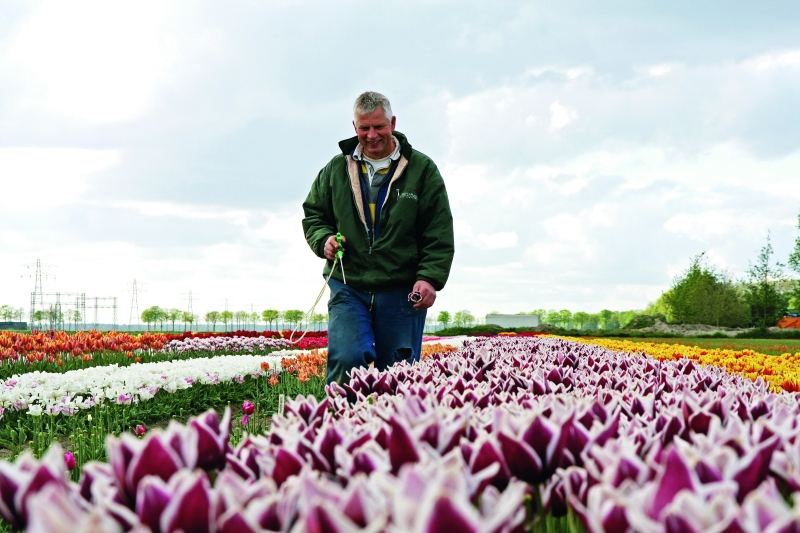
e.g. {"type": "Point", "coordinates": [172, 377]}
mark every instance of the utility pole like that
{"type": "Point", "coordinates": [189, 298]}
{"type": "Point", "coordinates": [37, 297]}
{"type": "Point", "coordinates": [135, 289]}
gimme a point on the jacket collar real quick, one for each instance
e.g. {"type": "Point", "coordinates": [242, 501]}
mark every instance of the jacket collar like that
{"type": "Point", "coordinates": [348, 146]}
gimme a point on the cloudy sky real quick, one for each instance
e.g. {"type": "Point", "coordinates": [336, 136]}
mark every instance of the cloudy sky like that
{"type": "Point", "coordinates": [589, 149]}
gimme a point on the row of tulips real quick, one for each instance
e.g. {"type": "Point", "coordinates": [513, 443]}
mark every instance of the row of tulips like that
{"type": "Point", "coordinates": [505, 435]}
{"type": "Point", "coordinates": [39, 408]}
{"type": "Point", "coordinates": [58, 351]}
{"type": "Point", "coordinates": [782, 372]}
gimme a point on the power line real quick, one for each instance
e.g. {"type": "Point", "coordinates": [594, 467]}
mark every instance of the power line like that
{"type": "Point", "coordinates": [135, 288]}
{"type": "Point", "coordinates": [190, 297]}
{"type": "Point", "coordinates": [37, 298]}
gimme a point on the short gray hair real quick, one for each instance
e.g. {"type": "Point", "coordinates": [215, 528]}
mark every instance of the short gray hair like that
{"type": "Point", "coordinates": [370, 101]}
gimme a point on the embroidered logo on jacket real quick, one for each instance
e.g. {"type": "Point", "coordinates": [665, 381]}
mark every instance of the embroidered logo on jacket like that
{"type": "Point", "coordinates": [409, 195]}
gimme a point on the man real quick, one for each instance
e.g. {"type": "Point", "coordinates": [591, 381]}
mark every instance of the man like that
{"type": "Point", "coordinates": [390, 205]}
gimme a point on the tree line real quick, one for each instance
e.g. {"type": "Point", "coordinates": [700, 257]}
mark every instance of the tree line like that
{"type": "Point", "coordinates": [459, 319]}
{"type": "Point", "coordinates": [9, 313]}
{"type": "Point", "coordinates": [233, 320]}
{"type": "Point", "coordinates": [605, 319]}
{"type": "Point", "coordinates": [52, 317]}
{"type": "Point", "coordinates": [703, 294]}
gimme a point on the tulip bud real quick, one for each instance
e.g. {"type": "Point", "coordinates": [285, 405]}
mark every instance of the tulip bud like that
{"type": "Point", "coordinates": [69, 460]}
{"type": "Point", "coordinates": [248, 408]}
{"type": "Point", "coordinates": [140, 430]}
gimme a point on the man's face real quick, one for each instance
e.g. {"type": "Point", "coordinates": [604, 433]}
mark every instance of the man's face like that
{"type": "Point", "coordinates": [374, 132]}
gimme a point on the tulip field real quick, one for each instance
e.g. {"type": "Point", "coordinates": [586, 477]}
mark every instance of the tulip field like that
{"type": "Point", "coordinates": [499, 434]}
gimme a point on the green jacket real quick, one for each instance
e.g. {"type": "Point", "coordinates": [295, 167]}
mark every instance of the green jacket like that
{"type": "Point", "coordinates": [413, 239]}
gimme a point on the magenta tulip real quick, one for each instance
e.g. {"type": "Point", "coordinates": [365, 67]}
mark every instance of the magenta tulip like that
{"type": "Point", "coordinates": [69, 461]}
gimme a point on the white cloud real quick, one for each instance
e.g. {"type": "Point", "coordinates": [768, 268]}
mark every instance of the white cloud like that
{"type": "Point", "coordinates": [776, 60]}
{"type": "Point", "coordinates": [187, 211]}
{"type": "Point", "coordinates": [501, 239]}
{"type": "Point", "coordinates": [572, 185]}
{"type": "Point", "coordinates": [93, 60]}
{"type": "Point", "coordinates": [703, 225]}
{"type": "Point", "coordinates": [463, 230]}
{"type": "Point", "coordinates": [560, 116]}
{"type": "Point", "coordinates": [467, 183]}
{"type": "Point", "coordinates": [662, 69]}
{"type": "Point", "coordinates": [568, 73]}
{"type": "Point", "coordinates": [36, 178]}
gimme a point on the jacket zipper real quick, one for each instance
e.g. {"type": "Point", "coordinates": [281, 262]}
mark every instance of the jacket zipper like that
{"type": "Point", "coordinates": [355, 202]}
{"type": "Point", "coordinates": [388, 193]}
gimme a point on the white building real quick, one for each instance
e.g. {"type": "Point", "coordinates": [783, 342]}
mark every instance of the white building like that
{"type": "Point", "coordinates": [513, 321]}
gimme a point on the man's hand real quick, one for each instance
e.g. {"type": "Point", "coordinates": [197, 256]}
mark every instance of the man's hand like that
{"type": "Point", "coordinates": [428, 294]}
{"type": "Point", "coordinates": [331, 247]}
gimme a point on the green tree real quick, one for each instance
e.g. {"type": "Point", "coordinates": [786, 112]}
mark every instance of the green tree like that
{"type": "Point", "coordinates": [626, 316]}
{"type": "Point", "coordinates": [553, 318]}
{"type": "Point", "coordinates": [467, 317]}
{"type": "Point", "coordinates": [794, 265]}
{"type": "Point", "coordinates": [580, 319]}
{"type": "Point", "coordinates": [704, 295]}
{"type": "Point", "coordinates": [241, 319]}
{"type": "Point", "coordinates": [767, 303]}
{"type": "Point", "coordinates": [658, 307]}
{"type": "Point", "coordinates": [54, 317]}
{"type": "Point", "coordinates": [318, 318]}
{"type": "Point", "coordinates": [269, 316]}
{"type": "Point", "coordinates": [565, 318]}
{"type": "Point", "coordinates": [188, 319]}
{"type": "Point", "coordinates": [38, 317]}
{"type": "Point", "coordinates": [458, 319]}
{"type": "Point", "coordinates": [254, 319]}
{"type": "Point", "coordinates": [605, 318]}
{"type": "Point", "coordinates": [225, 317]}
{"type": "Point", "coordinates": [293, 317]}
{"type": "Point", "coordinates": [593, 322]}
{"type": "Point", "coordinates": [173, 315]}
{"type": "Point", "coordinates": [6, 312]}
{"type": "Point", "coordinates": [443, 318]}
{"type": "Point", "coordinates": [541, 313]}
{"type": "Point", "coordinates": [212, 317]}
{"type": "Point", "coordinates": [74, 317]}
{"type": "Point", "coordinates": [151, 315]}
{"type": "Point", "coordinates": [163, 318]}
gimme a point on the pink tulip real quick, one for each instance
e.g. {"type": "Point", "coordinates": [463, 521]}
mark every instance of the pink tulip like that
{"type": "Point", "coordinates": [248, 408]}
{"type": "Point", "coordinates": [140, 430]}
{"type": "Point", "coordinates": [26, 477]}
{"type": "Point", "coordinates": [69, 461]}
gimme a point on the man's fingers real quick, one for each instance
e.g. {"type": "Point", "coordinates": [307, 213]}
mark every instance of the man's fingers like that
{"type": "Point", "coordinates": [331, 246]}
{"type": "Point", "coordinates": [426, 302]}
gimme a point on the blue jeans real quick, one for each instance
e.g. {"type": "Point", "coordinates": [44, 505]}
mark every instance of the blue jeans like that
{"type": "Point", "coordinates": [363, 328]}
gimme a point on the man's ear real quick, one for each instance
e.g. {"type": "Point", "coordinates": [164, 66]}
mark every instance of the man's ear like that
{"type": "Point", "coordinates": [394, 121]}
{"type": "Point", "coordinates": [354, 126]}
